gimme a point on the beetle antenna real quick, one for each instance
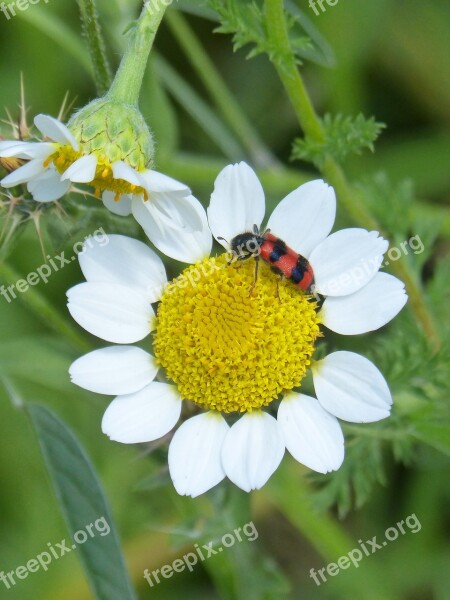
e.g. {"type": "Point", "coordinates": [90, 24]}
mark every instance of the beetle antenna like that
{"type": "Point", "coordinates": [222, 238]}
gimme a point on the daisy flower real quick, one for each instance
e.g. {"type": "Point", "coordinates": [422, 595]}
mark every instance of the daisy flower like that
{"type": "Point", "coordinates": [109, 147]}
{"type": "Point", "coordinates": [237, 358]}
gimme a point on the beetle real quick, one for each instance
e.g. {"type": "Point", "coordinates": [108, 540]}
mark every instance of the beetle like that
{"type": "Point", "coordinates": [275, 252]}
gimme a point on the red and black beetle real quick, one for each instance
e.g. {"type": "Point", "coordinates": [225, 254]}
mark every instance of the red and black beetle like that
{"type": "Point", "coordinates": [275, 252]}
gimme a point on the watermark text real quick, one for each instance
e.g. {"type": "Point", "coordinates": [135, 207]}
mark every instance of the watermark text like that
{"type": "Point", "coordinates": [55, 552]}
{"type": "Point", "coordinates": [247, 532]}
{"type": "Point", "coordinates": [9, 9]}
{"type": "Point", "coordinates": [53, 264]}
{"type": "Point", "coordinates": [367, 548]}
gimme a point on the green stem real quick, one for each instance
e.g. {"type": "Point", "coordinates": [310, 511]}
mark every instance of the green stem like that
{"type": "Point", "coordinates": [219, 91]}
{"type": "Point", "coordinates": [278, 34]}
{"type": "Point", "coordinates": [96, 45]}
{"type": "Point", "coordinates": [44, 311]}
{"type": "Point", "coordinates": [277, 30]}
{"type": "Point", "coordinates": [127, 83]}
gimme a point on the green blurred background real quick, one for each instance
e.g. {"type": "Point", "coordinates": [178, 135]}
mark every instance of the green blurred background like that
{"type": "Point", "coordinates": [390, 61]}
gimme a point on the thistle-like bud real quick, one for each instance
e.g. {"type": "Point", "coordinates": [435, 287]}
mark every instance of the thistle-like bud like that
{"type": "Point", "coordinates": [113, 131]}
{"type": "Point", "coordinates": [108, 146]}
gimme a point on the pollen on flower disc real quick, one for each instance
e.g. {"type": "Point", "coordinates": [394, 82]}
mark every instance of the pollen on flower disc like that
{"type": "Point", "coordinates": [228, 350]}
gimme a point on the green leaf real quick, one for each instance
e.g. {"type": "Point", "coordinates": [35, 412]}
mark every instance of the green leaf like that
{"type": "Point", "coordinates": [354, 481]}
{"type": "Point", "coordinates": [394, 204]}
{"type": "Point", "coordinates": [408, 362]}
{"type": "Point", "coordinates": [83, 502]}
{"type": "Point", "coordinates": [245, 21]}
{"type": "Point", "coordinates": [319, 51]}
{"type": "Point", "coordinates": [343, 136]}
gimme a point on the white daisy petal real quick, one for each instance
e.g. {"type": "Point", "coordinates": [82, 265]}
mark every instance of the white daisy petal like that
{"type": "Point", "coordinates": [48, 186]}
{"type": "Point", "coordinates": [125, 261]}
{"type": "Point", "coordinates": [311, 434]}
{"type": "Point", "coordinates": [24, 174]}
{"type": "Point", "coordinates": [305, 217]}
{"type": "Point", "coordinates": [237, 202]}
{"type": "Point", "coordinates": [110, 311]}
{"type": "Point", "coordinates": [175, 212]}
{"type": "Point", "coordinates": [121, 207]}
{"type": "Point", "coordinates": [368, 309]}
{"type": "Point", "coordinates": [252, 450]}
{"type": "Point", "coordinates": [346, 261]}
{"type": "Point", "coordinates": [158, 182]}
{"type": "Point", "coordinates": [82, 170]}
{"type": "Point", "coordinates": [55, 130]}
{"type": "Point", "coordinates": [18, 149]}
{"type": "Point", "coordinates": [13, 148]}
{"type": "Point", "coordinates": [195, 454]}
{"type": "Point", "coordinates": [182, 245]}
{"type": "Point", "coordinates": [143, 416]}
{"type": "Point", "coordinates": [350, 387]}
{"type": "Point", "coordinates": [123, 171]}
{"type": "Point", "coordinates": [114, 370]}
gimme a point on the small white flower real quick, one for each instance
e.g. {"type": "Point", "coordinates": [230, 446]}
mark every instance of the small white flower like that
{"type": "Point", "coordinates": [117, 175]}
{"type": "Point", "coordinates": [229, 351]}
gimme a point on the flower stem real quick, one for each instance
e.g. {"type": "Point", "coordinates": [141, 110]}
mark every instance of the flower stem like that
{"type": "Point", "coordinates": [92, 33]}
{"type": "Point", "coordinates": [277, 31]}
{"type": "Point", "coordinates": [278, 34]}
{"type": "Point", "coordinates": [127, 83]}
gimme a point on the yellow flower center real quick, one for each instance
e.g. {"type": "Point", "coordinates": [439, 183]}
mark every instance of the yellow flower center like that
{"type": "Point", "coordinates": [104, 179]}
{"type": "Point", "coordinates": [228, 349]}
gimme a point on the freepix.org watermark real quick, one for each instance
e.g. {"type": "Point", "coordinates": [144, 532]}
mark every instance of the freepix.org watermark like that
{"type": "Point", "coordinates": [44, 272]}
{"type": "Point", "coordinates": [313, 4]}
{"type": "Point", "coordinates": [154, 6]}
{"type": "Point", "coordinates": [247, 532]}
{"type": "Point", "coordinates": [55, 552]}
{"type": "Point", "coordinates": [367, 548]}
{"type": "Point", "coordinates": [370, 266]}
{"type": "Point", "coordinates": [9, 9]}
